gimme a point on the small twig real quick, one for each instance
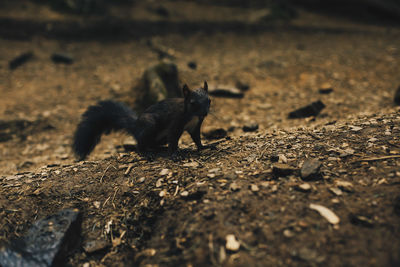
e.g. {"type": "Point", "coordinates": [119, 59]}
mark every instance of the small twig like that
{"type": "Point", "coordinates": [112, 201]}
{"type": "Point", "coordinates": [128, 170]}
{"type": "Point", "coordinates": [105, 202]}
{"type": "Point", "coordinates": [379, 158]}
{"type": "Point", "coordinates": [104, 173]}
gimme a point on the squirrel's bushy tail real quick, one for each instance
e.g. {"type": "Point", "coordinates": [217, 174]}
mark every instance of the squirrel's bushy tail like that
{"type": "Point", "coordinates": [101, 119]}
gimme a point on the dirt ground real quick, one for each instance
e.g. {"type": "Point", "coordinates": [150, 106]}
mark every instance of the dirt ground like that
{"type": "Point", "coordinates": [166, 213]}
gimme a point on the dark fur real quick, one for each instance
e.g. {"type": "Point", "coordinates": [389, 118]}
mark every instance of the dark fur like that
{"type": "Point", "coordinates": [160, 124]}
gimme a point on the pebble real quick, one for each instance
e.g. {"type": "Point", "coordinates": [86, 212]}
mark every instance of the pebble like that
{"type": "Point", "coordinates": [184, 193]}
{"type": "Point", "coordinates": [234, 187]}
{"type": "Point", "coordinates": [355, 128]}
{"type": "Point", "coordinates": [62, 58]}
{"type": "Point", "coordinates": [310, 169]}
{"type": "Point", "coordinates": [345, 186]}
{"type": "Point", "coordinates": [20, 60]}
{"type": "Point", "coordinates": [159, 182]}
{"type": "Point", "coordinates": [192, 65]}
{"type": "Point", "coordinates": [312, 109]}
{"type": "Point", "coordinates": [250, 127]}
{"type": "Point", "coordinates": [254, 188]}
{"type": "Point", "coordinates": [192, 164]}
{"type": "Point", "coordinates": [164, 172]}
{"type": "Point", "coordinates": [231, 243]}
{"type": "Point", "coordinates": [287, 233]}
{"type": "Point", "coordinates": [225, 91]}
{"type": "Point", "coordinates": [282, 158]}
{"type": "Point", "coordinates": [304, 187]}
{"type": "Point", "coordinates": [336, 191]}
{"type": "Point", "coordinates": [215, 134]}
{"type": "Point", "coordinates": [329, 215]}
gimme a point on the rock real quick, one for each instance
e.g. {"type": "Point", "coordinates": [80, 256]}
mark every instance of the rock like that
{"type": "Point", "coordinates": [304, 187]}
{"type": "Point", "coordinates": [397, 96]}
{"type": "Point", "coordinates": [157, 83]}
{"type": "Point", "coordinates": [254, 188]}
{"type": "Point", "coordinates": [234, 187]}
{"type": "Point", "coordinates": [325, 91]}
{"type": "Point", "coordinates": [47, 242]}
{"type": "Point", "coordinates": [355, 128]}
{"type": "Point", "coordinates": [20, 60]}
{"type": "Point", "coordinates": [192, 164]}
{"type": "Point", "coordinates": [310, 169]}
{"type": "Point", "coordinates": [281, 170]}
{"type": "Point", "coordinates": [288, 233]}
{"type": "Point", "coordinates": [242, 86]}
{"type": "Point", "coordinates": [361, 220]}
{"type": "Point", "coordinates": [62, 58]}
{"type": "Point", "coordinates": [311, 110]}
{"type": "Point", "coordinates": [336, 191]}
{"type": "Point", "coordinates": [215, 134]}
{"type": "Point", "coordinates": [329, 215]}
{"type": "Point", "coordinates": [250, 127]}
{"type": "Point", "coordinates": [225, 91]}
{"type": "Point", "coordinates": [164, 172]}
{"type": "Point", "coordinates": [345, 186]}
{"type": "Point", "coordinates": [184, 193]}
{"type": "Point", "coordinates": [95, 246]}
{"type": "Point", "coordinates": [231, 243]}
{"type": "Point", "coordinates": [346, 152]}
{"type": "Point", "coordinates": [192, 65]}
{"type": "Point", "coordinates": [282, 158]}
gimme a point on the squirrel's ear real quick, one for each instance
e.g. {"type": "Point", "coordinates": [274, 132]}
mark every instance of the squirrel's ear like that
{"type": "Point", "coordinates": [205, 87]}
{"type": "Point", "coordinates": [185, 91]}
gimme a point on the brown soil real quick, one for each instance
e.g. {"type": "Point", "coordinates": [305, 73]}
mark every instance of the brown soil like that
{"type": "Point", "coordinates": [182, 218]}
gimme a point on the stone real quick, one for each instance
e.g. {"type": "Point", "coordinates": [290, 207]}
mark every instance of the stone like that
{"type": "Point", "coordinates": [312, 109]}
{"type": "Point", "coordinates": [164, 172]}
{"type": "Point", "coordinates": [361, 220]}
{"type": "Point", "coordinates": [345, 186]}
{"type": "Point", "coordinates": [250, 127]}
{"type": "Point", "coordinates": [62, 58]}
{"type": "Point", "coordinates": [231, 243]}
{"type": "Point", "coordinates": [325, 91]}
{"type": "Point", "coordinates": [242, 86]}
{"type": "Point", "coordinates": [304, 187]}
{"type": "Point", "coordinates": [310, 169]}
{"type": "Point", "coordinates": [225, 91]}
{"type": "Point", "coordinates": [234, 187]}
{"type": "Point", "coordinates": [214, 134]}
{"type": "Point", "coordinates": [47, 242]}
{"type": "Point", "coordinates": [192, 65]}
{"type": "Point", "coordinates": [329, 215]}
{"type": "Point", "coordinates": [20, 60]}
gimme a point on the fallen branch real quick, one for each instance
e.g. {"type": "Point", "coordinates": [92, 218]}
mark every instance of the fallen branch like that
{"type": "Point", "coordinates": [378, 158]}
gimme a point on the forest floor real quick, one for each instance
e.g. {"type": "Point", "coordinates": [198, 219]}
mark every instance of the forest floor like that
{"type": "Point", "coordinates": [166, 213]}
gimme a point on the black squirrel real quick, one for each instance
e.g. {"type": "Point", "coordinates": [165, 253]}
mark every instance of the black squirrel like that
{"type": "Point", "coordinates": [160, 124]}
